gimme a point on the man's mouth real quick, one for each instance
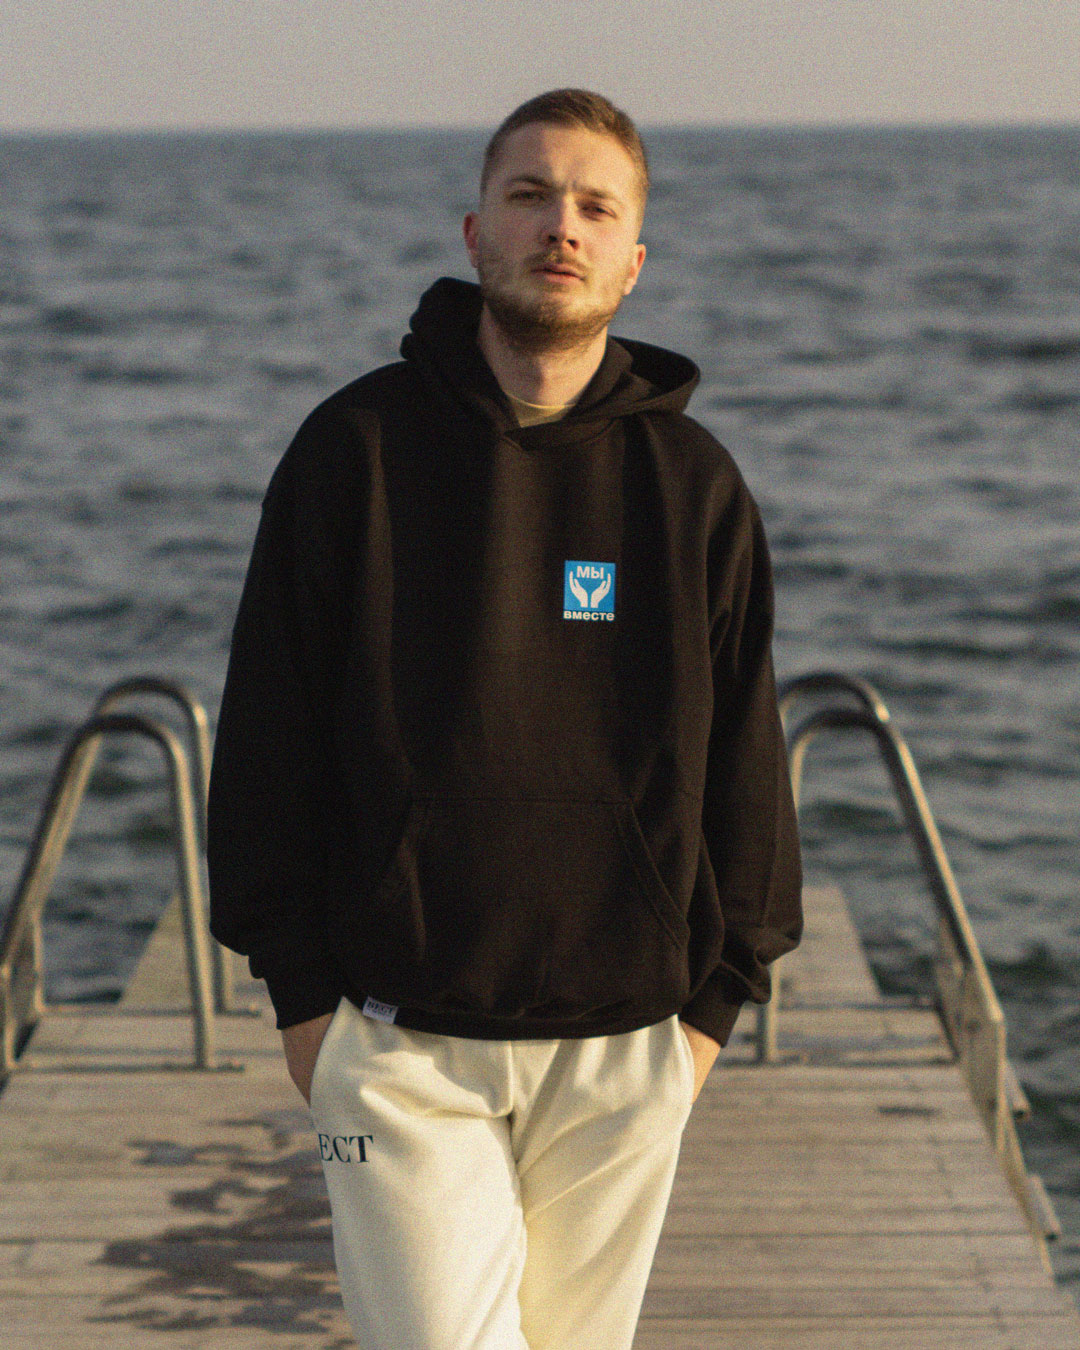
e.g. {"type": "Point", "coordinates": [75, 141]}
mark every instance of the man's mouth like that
{"type": "Point", "coordinates": [552, 268]}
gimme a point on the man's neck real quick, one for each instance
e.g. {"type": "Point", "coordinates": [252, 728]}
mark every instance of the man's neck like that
{"type": "Point", "coordinates": [548, 377]}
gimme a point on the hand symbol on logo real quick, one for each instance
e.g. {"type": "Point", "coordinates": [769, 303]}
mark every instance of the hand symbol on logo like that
{"type": "Point", "coordinates": [579, 591]}
{"type": "Point", "coordinates": [599, 593]}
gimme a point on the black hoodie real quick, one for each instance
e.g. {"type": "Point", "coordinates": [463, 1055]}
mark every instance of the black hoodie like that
{"type": "Point", "coordinates": [499, 745]}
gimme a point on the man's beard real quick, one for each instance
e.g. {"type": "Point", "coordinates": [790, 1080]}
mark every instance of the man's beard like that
{"type": "Point", "coordinates": [540, 323]}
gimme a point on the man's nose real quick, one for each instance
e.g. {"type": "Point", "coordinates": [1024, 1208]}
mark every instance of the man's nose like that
{"type": "Point", "coordinates": [560, 222]}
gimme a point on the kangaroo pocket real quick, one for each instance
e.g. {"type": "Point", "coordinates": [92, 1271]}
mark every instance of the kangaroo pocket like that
{"type": "Point", "coordinates": [524, 908]}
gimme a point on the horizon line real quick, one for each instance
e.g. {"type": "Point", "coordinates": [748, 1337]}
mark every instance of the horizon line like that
{"type": "Point", "coordinates": [480, 129]}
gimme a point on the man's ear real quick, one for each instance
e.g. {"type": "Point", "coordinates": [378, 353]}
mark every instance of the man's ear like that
{"type": "Point", "coordinates": [636, 261]}
{"type": "Point", "coordinates": [471, 230]}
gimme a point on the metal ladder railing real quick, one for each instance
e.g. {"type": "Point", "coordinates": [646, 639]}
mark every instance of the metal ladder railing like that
{"type": "Point", "coordinates": [21, 950]}
{"type": "Point", "coordinates": [967, 1003]}
{"type": "Point", "coordinates": [198, 725]}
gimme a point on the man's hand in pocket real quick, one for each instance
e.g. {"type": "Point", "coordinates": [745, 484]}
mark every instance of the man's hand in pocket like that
{"type": "Point", "coordinates": [302, 1043]}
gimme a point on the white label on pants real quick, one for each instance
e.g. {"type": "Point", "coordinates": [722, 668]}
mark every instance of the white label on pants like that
{"type": "Point", "coordinates": [382, 1012]}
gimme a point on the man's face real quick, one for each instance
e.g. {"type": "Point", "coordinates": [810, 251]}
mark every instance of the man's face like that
{"type": "Point", "coordinates": [555, 239]}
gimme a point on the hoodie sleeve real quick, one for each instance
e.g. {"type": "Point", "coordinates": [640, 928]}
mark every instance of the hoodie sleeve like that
{"type": "Point", "coordinates": [748, 817]}
{"type": "Point", "coordinates": [273, 792]}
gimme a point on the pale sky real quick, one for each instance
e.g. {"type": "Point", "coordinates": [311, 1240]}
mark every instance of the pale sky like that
{"type": "Point", "coordinates": [203, 64]}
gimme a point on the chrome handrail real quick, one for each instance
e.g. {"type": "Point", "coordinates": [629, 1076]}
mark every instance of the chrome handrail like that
{"type": "Point", "coordinates": [194, 714]}
{"type": "Point", "coordinates": [968, 1004]}
{"type": "Point", "coordinates": [820, 682]}
{"type": "Point", "coordinates": [21, 967]}
{"type": "Point", "coordinates": [199, 734]}
{"type": "Point", "coordinates": [831, 682]}
{"type": "Point", "coordinates": [874, 717]}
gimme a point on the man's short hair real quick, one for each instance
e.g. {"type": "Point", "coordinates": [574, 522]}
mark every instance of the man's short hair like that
{"type": "Point", "coordinates": [572, 108]}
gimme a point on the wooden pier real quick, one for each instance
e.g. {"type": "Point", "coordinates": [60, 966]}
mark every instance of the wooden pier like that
{"type": "Point", "coordinates": [841, 1198]}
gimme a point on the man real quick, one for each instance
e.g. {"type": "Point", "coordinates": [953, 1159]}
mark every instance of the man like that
{"type": "Point", "coordinates": [500, 806]}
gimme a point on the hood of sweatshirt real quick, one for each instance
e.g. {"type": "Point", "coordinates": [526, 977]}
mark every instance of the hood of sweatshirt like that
{"type": "Point", "coordinates": [634, 377]}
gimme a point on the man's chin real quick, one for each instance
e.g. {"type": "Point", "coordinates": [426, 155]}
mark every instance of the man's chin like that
{"type": "Point", "coordinates": [549, 325]}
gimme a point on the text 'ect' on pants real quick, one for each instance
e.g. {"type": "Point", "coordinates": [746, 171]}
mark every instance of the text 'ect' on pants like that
{"type": "Point", "coordinates": [346, 1148]}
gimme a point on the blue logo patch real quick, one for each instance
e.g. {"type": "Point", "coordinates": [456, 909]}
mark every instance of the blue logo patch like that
{"type": "Point", "coordinates": [589, 590]}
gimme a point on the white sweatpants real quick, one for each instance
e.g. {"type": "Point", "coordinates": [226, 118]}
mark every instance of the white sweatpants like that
{"type": "Point", "coordinates": [497, 1195]}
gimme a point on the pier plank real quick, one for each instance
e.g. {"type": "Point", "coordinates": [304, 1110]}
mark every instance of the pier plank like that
{"type": "Point", "coordinates": [912, 1332]}
{"type": "Point", "coordinates": [845, 1196]}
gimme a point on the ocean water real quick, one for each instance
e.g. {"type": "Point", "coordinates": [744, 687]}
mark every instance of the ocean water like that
{"type": "Point", "coordinates": [888, 328]}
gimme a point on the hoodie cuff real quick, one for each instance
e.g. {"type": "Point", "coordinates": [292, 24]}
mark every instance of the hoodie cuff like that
{"type": "Point", "coordinates": [302, 985]}
{"type": "Point", "coordinates": [711, 1013]}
